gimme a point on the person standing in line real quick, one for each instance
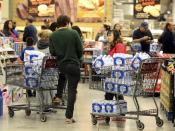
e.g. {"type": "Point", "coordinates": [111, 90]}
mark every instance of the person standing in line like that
{"type": "Point", "coordinates": [66, 45]}
{"type": "Point", "coordinates": [29, 46]}
{"type": "Point", "coordinates": [77, 28]}
{"type": "Point", "coordinates": [43, 42]}
{"type": "Point", "coordinates": [167, 39]}
{"type": "Point", "coordinates": [8, 30]}
{"type": "Point", "coordinates": [62, 78]}
{"type": "Point", "coordinates": [30, 31]}
{"type": "Point", "coordinates": [53, 26]}
{"type": "Point", "coordinates": [116, 46]}
{"type": "Point", "coordinates": [14, 30]}
{"type": "Point", "coordinates": [143, 36]}
{"type": "Point", "coordinates": [102, 34]}
{"type": "Point", "coordinates": [47, 23]}
{"type": "Point", "coordinates": [118, 28]}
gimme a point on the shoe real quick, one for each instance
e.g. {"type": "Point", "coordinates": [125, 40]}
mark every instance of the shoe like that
{"type": "Point", "coordinates": [70, 121]}
{"type": "Point", "coordinates": [57, 100]}
{"type": "Point", "coordinates": [34, 94]}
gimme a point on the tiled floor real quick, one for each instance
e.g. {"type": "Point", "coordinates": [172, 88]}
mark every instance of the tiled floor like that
{"type": "Point", "coordinates": [55, 122]}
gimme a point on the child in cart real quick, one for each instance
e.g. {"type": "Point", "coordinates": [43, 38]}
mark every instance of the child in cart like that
{"type": "Point", "coordinates": [29, 46]}
{"type": "Point", "coordinates": [116, 46]}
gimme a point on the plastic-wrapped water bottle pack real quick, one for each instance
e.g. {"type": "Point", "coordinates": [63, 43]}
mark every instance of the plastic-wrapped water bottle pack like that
{"type": "Point", "coordinates": [137, 60]}
{"type": "Point", "coordinates": [32, 68]}
{"type": "Point", "coordinates": [120, 61]}
{"type": "Point", "coordinates": [113, 86]}
{"type": "Point", "coordinates": [109, 107]}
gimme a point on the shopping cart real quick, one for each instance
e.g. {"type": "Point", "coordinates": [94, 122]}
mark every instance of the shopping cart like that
{"type": "Point", "coordinates": [137, 82]}
{"type": "Point", "coordinates": [33, 77]}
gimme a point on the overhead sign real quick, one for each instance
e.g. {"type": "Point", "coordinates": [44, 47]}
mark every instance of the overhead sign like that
{"type": "Point", "coordinates": [146, 9]}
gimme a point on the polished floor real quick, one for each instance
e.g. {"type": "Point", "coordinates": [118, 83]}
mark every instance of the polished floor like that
{"type": "Point", "coordinates": [55, 122]}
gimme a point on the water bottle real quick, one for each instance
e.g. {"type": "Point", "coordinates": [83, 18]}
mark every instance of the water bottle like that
{"type": "Point", "coordinates": [1, 104]}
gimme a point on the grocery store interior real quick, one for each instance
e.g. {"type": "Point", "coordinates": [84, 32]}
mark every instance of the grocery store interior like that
{"type": "Point", "coordinates": [126, 67]}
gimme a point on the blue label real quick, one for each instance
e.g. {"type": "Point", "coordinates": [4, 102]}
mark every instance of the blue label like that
{"type": "Point", "coordinates": [118, 74]}
{"type": "Point", "coordinates": [123, 89]}
{"type": "Point", "coordinates": [109, 86]}
{"type": "Point", "coordinates": [31, 58]}
{"type": "Point", "coordinates": [109, 108]}
{"type": "Point", "coordinates": [31, 82]}
{"type": "Point", "coordinates": [97, 107]}
{"type": "Point", "coordinates": [119, 61]}
{"type": "Point", "coordinates": [136, 63]}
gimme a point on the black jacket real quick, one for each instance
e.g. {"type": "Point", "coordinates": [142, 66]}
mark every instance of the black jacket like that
{"type": "Point", "coordinates": [167, 40]}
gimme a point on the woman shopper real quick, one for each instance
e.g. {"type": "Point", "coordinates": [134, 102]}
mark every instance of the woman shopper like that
{"type": "Point", "coordinates": [77, 28]}
{"type": "Point", "coordinates": [8, 30]}
{"type": "Point", "coordinates": [102, 34]}
{"type": "Point", "coordinates": [118, 28]}
{"type": "Point", "coordinates": [116, 46]}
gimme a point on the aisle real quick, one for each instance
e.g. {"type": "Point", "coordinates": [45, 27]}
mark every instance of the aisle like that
{"type": "Point", "coordinates": [55, 122]}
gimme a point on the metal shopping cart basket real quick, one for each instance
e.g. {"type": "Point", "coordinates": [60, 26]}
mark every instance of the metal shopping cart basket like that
{"type": "Point", "coordinates": [41, 76]}
{"type": "Point", "coordinates": [136, 82]}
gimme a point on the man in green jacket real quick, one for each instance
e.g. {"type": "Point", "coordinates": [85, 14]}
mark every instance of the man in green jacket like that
{"type": "Point", "coordinates": [66, 45]}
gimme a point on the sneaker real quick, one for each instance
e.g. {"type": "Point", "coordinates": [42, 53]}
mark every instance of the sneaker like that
{"type": "Point", "coordinates": [70, 121]}
{"type": "Point", "coordinates": [57, 100]}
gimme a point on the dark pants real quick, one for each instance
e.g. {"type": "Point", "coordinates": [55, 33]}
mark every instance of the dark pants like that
{"type": "Point", "coordinates": [61, 85]}
{"type": "Point", "coordinates": [110, 96]}
{"type": "Point", "coordinates": [72, 75]}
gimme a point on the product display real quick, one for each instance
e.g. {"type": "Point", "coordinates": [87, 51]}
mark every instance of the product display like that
{"type": "Point", "coordinates": [166, 96]}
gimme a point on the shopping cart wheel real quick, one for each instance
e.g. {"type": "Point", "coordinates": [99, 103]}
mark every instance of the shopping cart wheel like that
{"type": "Point", "coordinates": [94, 119]}
{"type": "Point", "coordinates": [43, 118]}
{"type": "Point", "coordinates": [11, 112]}
{"type": "Point", "coordinates": [159, 122]}
{"type": "Point", "coordinates": [107, 120]}
{"type": "Point", "coordinates": [63, 103]}
{"type": "Point", "coordinates": [140, 125]}
{"type": "Point", "coordinates": [28, 112]}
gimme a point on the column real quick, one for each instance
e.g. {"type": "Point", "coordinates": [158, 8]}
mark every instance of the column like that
{"type": "Point", "coordinates": [173, 11]}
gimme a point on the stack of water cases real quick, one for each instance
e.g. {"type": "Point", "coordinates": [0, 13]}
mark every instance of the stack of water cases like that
{"type": "Point", "coordinates": [121, 76]}
{"type": "Point", "coordinates": [119, 72]}
{"type": "Point", "coordinates": [109, 107]}
{"type": "Point", "coordinates": [119, 81]}
{"type": "Point", "coordinates": [32, 68]}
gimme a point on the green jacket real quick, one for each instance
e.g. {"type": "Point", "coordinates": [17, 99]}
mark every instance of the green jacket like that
{"type": "Point", "coordinates": [66, 45]}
